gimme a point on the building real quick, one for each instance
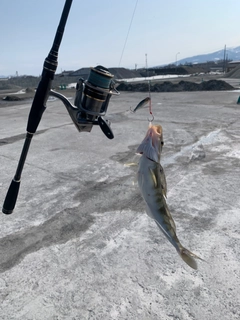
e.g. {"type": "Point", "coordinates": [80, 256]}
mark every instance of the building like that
{"type": "Point", "coordinates": [232, 65]}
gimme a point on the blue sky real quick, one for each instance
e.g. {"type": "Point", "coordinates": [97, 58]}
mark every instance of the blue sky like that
{"type": "Point", "coordinates": [96, 31]}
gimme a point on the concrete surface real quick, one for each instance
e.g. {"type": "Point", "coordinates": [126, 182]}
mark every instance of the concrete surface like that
{"type": "Point", "coordinates": [79, 244]}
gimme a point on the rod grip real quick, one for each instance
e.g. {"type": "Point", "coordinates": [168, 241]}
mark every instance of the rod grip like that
{"type": "Point", "coordinates": [11, 197]}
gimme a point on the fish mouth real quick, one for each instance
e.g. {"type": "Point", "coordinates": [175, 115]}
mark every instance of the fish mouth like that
{"type": "Point", "coordinates": [151, 146]}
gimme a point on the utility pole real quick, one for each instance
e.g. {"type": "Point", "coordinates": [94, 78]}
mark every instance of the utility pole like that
{"type": "Point", "coordinates": [224, 59]}
{"type": "Point", "coordinates": [176, 60]}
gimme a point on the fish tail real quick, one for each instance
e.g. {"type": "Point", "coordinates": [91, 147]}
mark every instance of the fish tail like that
{"type": "Point", "coordinates": [188, 257]}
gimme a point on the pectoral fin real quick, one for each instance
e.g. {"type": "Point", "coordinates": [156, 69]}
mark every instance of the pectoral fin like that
{"type": "Point", "coordinates": [159, 179]}
{"type": "Point", "coordinates": [130, 164]}
{"type": "Point", "coordinates": [154, 178]}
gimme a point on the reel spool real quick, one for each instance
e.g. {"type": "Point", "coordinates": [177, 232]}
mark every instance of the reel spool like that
{"type": "Point", "coordinates": [93, 96]}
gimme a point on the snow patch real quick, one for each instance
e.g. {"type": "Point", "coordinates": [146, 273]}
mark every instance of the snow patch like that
{"type": "Point", "coordinates": [168, 76]}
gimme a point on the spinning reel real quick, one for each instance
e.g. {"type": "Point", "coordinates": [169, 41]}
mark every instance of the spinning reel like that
{"type": "Point", "coordinates": [91, 101]}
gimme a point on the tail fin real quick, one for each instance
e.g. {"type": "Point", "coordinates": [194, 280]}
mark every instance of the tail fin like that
{"type": "Point", "coordinates": [188, 257]}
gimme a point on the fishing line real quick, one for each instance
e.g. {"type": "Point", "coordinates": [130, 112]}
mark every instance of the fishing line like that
{"type": "Point", "coordinates": [128, 33]}
{"type": "Point", "coordinates": [149, 86]}
{"type": "Point", "coordinates": [149, 94]}
{"type": "Point", "coordinates": [150, 102]}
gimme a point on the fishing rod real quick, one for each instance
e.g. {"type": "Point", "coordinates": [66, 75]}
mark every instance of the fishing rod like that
{"type": "Point", "coordinates": [90, 105]}
{"type": "Point", "coordinates": [38, 107]}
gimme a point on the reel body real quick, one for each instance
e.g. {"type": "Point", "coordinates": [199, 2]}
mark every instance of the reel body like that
{"type": "Point", "coordinates": [91, 101]}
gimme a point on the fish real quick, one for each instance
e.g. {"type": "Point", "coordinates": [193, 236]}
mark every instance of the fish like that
{"type": "Point", "coordinates": [141, 104]}
{"type": "Point", "coordinates": [153, 187]}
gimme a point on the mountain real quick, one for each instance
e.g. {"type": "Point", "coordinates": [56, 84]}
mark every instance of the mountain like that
{"type": "Point", "coordinates": [231, 54]}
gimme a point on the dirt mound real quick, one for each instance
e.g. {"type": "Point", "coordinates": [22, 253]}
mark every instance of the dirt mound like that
{"type": "Point", "coordinates": [181, 70]}
{"type": "Point", "coordinates": [167, 86]}
{"type": "Point", "coordinates": [119, 73]}
{"type": "Point", "coordinates": [122, 73]}
{"type": "Point", "coordinates": [12, 98]}
{"type": "Point", "coordinates": [30, 90]}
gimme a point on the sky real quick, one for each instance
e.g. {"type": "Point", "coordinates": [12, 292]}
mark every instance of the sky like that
{"type": "Point", "coordinates": [99, 32]}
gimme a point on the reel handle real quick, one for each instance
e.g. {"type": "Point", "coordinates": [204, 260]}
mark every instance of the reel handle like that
{"type": "Point", "coordinates": [11, 197]}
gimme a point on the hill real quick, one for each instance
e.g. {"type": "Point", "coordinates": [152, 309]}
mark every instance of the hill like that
{"type": "Point", "coordinates": [119, 73]}
{"type": "Point", "coordinates": [231, 54]}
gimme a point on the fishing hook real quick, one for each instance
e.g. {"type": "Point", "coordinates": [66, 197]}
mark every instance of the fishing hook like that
{"type": "Point", "coordinates": [151, 120]}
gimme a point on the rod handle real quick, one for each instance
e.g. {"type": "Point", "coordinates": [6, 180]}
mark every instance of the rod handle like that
{"type": "Point", "coordinates": [11, 197]}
